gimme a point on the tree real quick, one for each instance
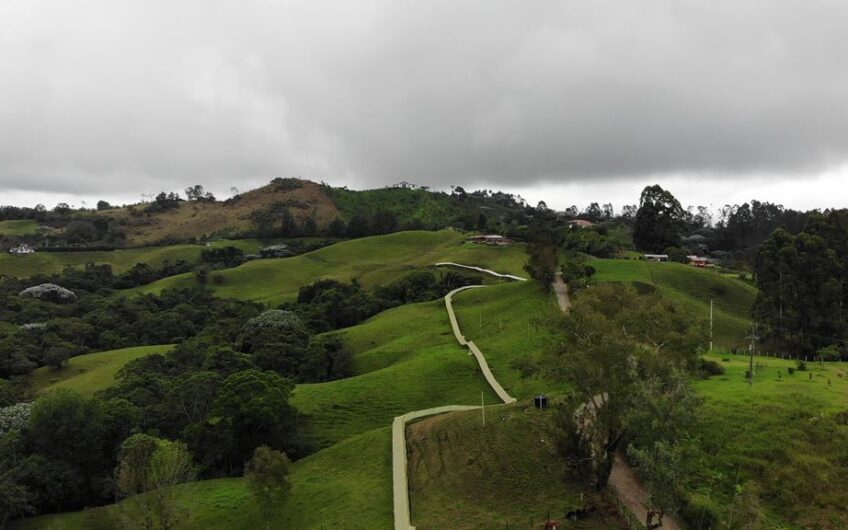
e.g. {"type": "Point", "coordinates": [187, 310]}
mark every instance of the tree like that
{"type": "Point", "coordinates": [266, 475]}
{"type": "Point", "coordinates": [626, 357]}
{"type": "Point", "coordinates": [103, 205]}
{"type": "Point", "coordinates": [542, 264]}
{"type": "Point", "coordinates": [659, 220]}
{"type": "Point", "coordinates": [254, 406]}
{"type": "Point", "coordinates": [195, 193]}
{"type": "Point", "coordinates": [153, 466]}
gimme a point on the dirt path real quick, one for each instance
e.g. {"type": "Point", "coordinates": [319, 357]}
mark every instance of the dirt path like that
{"type": "Point", "coordinates": [623, 480]}
{"type": "Point", "coordinates": [561, 291]}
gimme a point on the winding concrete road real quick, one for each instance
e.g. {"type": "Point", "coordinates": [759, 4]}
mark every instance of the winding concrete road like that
{"type": "Point", "coordinates": [400, 476]}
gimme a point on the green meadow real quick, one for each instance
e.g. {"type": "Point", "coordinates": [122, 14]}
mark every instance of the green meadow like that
{"type": "Point", "coordinates": [346, 486]}
{"type": "Point", "coordinates": [693, 288]}
{"type": "Point", "coordinates": [23, 227]}
{"type": "Point", "coordinates": [86, 374]}
{"type": "Point", "coordinates": [372, 261]}
{"type": "Point", "coordinates": [121, 260]}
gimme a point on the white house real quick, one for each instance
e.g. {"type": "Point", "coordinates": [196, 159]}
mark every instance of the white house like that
{"type": "Point", "coordinates": [23, 248]}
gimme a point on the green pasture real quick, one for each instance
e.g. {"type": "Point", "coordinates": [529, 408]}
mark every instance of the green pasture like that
{"type": "Point", "coordinates": [693, 288]}
{"type": "Point", "coordinates": [371, 260]}
{"type": "Point", "coordinates": [89, 373]}
{"type": "Point", "coordinates": [120, 260]}
{"type": "Point", "coordinates": [23, 227]}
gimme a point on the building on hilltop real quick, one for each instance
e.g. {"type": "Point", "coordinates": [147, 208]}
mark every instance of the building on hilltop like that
{"type": "Point", "coordinates": [23, 248]}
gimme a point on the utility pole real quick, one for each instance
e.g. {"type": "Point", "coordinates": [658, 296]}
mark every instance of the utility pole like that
{"type": "Point", "coordinates": [753, 338]}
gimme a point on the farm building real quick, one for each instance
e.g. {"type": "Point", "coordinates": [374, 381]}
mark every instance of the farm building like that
{"type": "Point", "coordinates": [22, 249]}
{"type": "Point", "coordinates": [489, 239]}
{"type": "Point", "coordinates": [656, 257]}
{"type": "Point", "coordinates": [581, 223]}
{"type": "Point", "coordinates": [698, 261]}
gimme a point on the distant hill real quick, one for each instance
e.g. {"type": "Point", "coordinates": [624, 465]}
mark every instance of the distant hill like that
{"type": "Point", "coordinates": [230, 218]}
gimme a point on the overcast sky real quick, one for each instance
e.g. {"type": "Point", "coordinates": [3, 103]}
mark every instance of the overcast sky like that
{"type": "Point", "coordinates": [569, 101]}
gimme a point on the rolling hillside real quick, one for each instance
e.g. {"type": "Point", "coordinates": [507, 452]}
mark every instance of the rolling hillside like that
{"type": "Point", "coordinates": [371, 260]}
{"type": "Point", "coordinates": [464, 475]}
{"type": "Point", "coordinates": [121, 260]}
{"type": "Point", "coordinates": [86, 374]}
{"type": "Point", "coordinates": [223, 218]}
{"type": "Point", "coordinates": [694, 288]}
{"type": "Point", "coordinates": [24, 227]}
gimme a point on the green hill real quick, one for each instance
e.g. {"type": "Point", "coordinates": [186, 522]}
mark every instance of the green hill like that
{"type": "Point", "coordinates": [783, 438]}
{"type": "Point", "coordinates": [24, 227]}
{"type": "Point", "coordinates": [89, 373]}
{"type": "Point", "coordinates": [406, 359]}
{"type": "Point", "coordinates": [694, 288]}
{"type": "Point", "coordinates": [464, 475]}
{"type": "Point", "coordinates": [346, 486]}
{"type": "Point", "coordinates": [120, 260]}
{"type": "Point", "coordinates": [372, 260]}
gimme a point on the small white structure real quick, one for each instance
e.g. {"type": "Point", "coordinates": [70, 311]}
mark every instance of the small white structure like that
{"type": "Point", "coordinates": [656, 257]}
{"type": "Point", "coordinates": [23, 248]}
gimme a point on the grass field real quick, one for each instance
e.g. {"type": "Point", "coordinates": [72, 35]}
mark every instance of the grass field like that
{"type": "Point", "coordinates": [777, 437]}
{"type": "Point", "coordinates": [22, 227]}
{"type": "Point", "coordinates": [693, 288]}
{"type": "Point", "coordinates": [86, 374]}
{"type": "Point", "coordinates": [509, 323]}
{"type": "Point", "coordinates": [121, 260]}
{"type": "Point", "coordinates": [372, 260]}
{"type": "Point", "coordinates": [346, 486]}
{"type": "Point", "coordinates": [407, 359]}
{"type": "Point", "coordinates": [464, 475]}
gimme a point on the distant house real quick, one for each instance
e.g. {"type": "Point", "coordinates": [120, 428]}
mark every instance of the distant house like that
{"type": "Point", "coordinates": [698, 261]}
{"type": "Point", "coordinates": [405, 185]}
{"type": "Point", "coordinates": [22, 249]}
{"type": "Point", "coordinates": [489, 239]}
{"type": "Point", "coordinates": [581, 223]}
{"type": "Point", "coordinates": [656, 257]}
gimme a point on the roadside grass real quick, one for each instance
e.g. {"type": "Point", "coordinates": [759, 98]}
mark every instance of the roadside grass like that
{"type": "Point", "coordinates": [22, 227]}
{"type": "Point", "coordinates": [346, 486]}
{"type": "Point", "coordinates": [89, 373]}
{"type": "Point", "coordinates": [511, 324]}
{"type": "Point", "coordinates": [464, 475]}
{"type": "Point", "coordinates": [779, 437]}
{"type": "Point", "coordinates": [371, 260]}
{"type": "Point", "coordinates": [693, 288]}
{"type": "Point", "coordinates": [406, 359]}
{"type": "Point", "coordinates": [121, 260]}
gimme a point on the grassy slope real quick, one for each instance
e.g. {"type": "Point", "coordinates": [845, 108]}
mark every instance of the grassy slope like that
{"type": "Point", "coordinates": [121, 260]}
{"type": "Point", "coordinates": [372, 260]}
{"type": "Point", "coordinates": [89, 373]}
{"type": "Point", "coordinates": [408, 205]}
{"type": "Point", "coordinates": [507, 322]}
{"type": "Point", "coordinates": [693, 288]}
{"type": "Point", "coordinates": [346, 486]}
{"type": "Point", "coordinates": [22, 227]}
{"type": "Point", "coordinates": [464, 475]}
{"type": "Point", "coordinates": [765, 433]}
{"type": "Point", "coordinates": [407, 359]}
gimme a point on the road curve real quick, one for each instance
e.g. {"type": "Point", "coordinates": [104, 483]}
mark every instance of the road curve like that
{"type": "Point", "coordinates": [400, 477]}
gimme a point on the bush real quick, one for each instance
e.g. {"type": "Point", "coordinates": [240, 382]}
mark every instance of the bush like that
{"type": "Point", "coordinates": [700, 512]}
{"type": "Point", "coordinates": [830, 353]}
{"type": "Point", "coordinates": [802, 366]}
{"type": "Point", "coordinates": [710, 368]}
{"type": "Point", "coordinates": [790, 370]}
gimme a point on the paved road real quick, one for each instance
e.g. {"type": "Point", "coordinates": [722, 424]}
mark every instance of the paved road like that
{"type": "Point", "coordinates": [400, 478]}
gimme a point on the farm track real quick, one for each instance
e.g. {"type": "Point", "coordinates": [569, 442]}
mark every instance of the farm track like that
{"type": "Point", "coordinates": [400, 478]}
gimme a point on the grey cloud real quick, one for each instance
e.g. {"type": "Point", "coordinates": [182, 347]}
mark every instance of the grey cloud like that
{"type": "Point", "coordinates": [124, 96]}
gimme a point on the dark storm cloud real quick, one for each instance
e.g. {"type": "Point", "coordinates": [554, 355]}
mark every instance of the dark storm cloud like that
{"type": "Point", "coordinates": [130, 97]}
